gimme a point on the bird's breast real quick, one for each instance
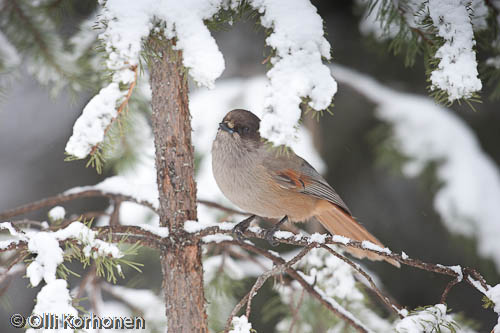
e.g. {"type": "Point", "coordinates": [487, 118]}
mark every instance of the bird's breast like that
{"type": "Point", "coordinates": [244, 180]}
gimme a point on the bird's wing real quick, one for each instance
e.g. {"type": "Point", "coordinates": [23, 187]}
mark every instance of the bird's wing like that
{"type": "Point", "coordinates": [300, 176]}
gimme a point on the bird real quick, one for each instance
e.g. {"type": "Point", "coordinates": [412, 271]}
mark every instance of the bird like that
{"type": "Point", "coordinates": [254, 176]}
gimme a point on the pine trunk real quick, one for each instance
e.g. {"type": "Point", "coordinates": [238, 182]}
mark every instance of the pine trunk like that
{"type": "Point", "coordinates": [181, 262]}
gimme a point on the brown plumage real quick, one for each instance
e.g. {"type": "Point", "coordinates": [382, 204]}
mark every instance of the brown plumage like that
{"type": "Point", "coordinates": [258, 180]}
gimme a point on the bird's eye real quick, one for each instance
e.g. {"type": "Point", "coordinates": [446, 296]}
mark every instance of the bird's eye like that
{"type": "Point", "coordinates": [245, 130]}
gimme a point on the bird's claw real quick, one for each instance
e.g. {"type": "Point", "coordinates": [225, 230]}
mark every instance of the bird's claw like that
{"type": "Point", "coordinates": [269, 237]}
{"type": "Point", "coordinates": [239, 232]}
{"type": "Point", "coordinates": [240, 228]}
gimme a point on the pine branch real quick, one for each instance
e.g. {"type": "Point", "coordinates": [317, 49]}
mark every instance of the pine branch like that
{"type": "Point", "coordinates": [61, 198]}
{"type": "Point", "coordinates": [390, 304]}
{"type": "Point", "coordinates": [478, 282]}
{"type": "Point", "coordinates": [137, 235]}
{"type": "Point", "coordinates": [120, 109]}
{"type": "Point", "coordinates": [312, 290]}
{"type": "Point", "coordinates": [278, 269]}
{"type": "Point", "coordinates": [37, 36]}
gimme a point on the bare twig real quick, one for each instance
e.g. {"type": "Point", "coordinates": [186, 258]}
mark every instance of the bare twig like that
{"type": "Point", "coordinates": [109, 289]}
{"type": "Point", "coordinates": [64, 197]}
{"type": "Point", "coordinates": [127, 234]}
{"type": "Point", "coordinates": [295, 310]}
{"type": "Point", "coordinates": [95, 294]}
{"type": "Point", "coordinates": [89, 277]}
{"type": "Point", "coordinates": [28, 223]}
{"type": "Point", "coordinates": [337, 310]}
{"type": "Point", "coordinates": [448, 288]}
{"type": "Point", "coordinates": [221, 207]}
{"type": "Point", "coordinates": [114, 220]}
{"type": "Point", "coordinates": [14, 245]}
{"type": "Point", "coordinates": [278, 269]}
{"type": "Point", "coordinates": [394, 307]}
{"type": "Point", "coordinates": [131, 235]}
{"type": "Point", "coordinates": [15, 261]}
{"type": "Point", "coordinates": [8, 273]}
{"type": "Point", "coordinates": [302, 240]}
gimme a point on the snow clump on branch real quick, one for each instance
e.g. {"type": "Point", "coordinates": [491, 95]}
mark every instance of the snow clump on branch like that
{"type": "Point", "coordinates": [297, 71]}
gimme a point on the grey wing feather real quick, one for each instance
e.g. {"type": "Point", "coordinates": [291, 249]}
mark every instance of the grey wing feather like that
{"type": "Point", "coordinates": [318, 187]}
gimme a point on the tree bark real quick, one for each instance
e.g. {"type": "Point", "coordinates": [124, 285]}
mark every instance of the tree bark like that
{"type": "Point", "coordinates": [181, 263]}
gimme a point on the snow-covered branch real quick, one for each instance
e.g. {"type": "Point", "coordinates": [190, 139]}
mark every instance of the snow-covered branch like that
{"type": "Point", "coordinates": [70, 195]}
{"type": "Point", "coordinates": [222, 233]}
{"type": "Point", "coordinates": [103, 109]}
{"type": "Point", "coordinates": [425, 132]}
{"type": "Point", "coordinates": [297, 68]}
{"type": "Point", "coordinates": [446, 27]}
{"type": "Point", "coordinates": [457, 72]}
{"type": "Point", "coordinates": [297, 72]}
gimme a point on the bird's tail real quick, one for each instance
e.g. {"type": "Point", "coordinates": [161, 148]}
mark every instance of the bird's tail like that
{"type": "Point", "coordinates": [337, 222]}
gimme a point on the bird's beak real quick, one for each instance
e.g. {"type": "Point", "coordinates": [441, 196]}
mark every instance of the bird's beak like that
{"type": "Point", "coordinates": [223, 126]}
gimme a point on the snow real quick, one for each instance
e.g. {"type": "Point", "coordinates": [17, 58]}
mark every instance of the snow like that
{"type": "Point", "coordinates": [193, 226]}
{"type": "Point", "coordinates": [318, 238]}
{"type": "Point", "coordinates": [457, 70]}
{"type": "Point", "coordinates": [333, 275]}
{"type": "Point", "coordinates": [404, 255]}
{"type": "Point", "coordinates": [256, 230]}
{"type": "Point", "coordinates": [297, 73]}
{"type": "Point", "coordinates": [457, 269]}
{"type": "Point", "coordinates": [130, 22]}
{"type": "Point", "coordinates": [241, 325]}
{"type": "Point", "coordinates": [494, 295]}
{"type": "Point", "coordinates": [87, 237]}
{"type": "Point", "coordinates": [370, 246]}
{"type": "Point", "coordinates": [283, 234]}
{"type": "Point", "coordinates": [297, 68]}
{"type": "Point", "coordinates": [54, 298]}
{"type": "Point", "coordinates": [341, 309]}
{"type": "Point", "coordinates": [274, 253]}
{"type": "Point", "coordinates": [217, 238]}
{"type": "Point", "coordinates": [156, 230]}
{"type": "Point", "coordinates": [196, 226]}
{"type": "Point", "coordinates": [477, 285]}
{"type": "Point", "coordinates": [453, 21]}
{"type": "Point", "coordinates": [49, 256]}
{"type": "Point", "coordinates": [431, 319]}
{"type": "Point", "coordinates": [89, 128]}
{"type": "Point", "coordinates": [468, 199]}
{"type": "Point", "coordinates": [6, 243]}
{"type": "Point", "coordinates": [125, 25]}
{"type": "Point", "coordinates": [341, 239]}
{"type": "Point", "coordinates": [57, 213]}
{"type": "Point", "coordinates": [8, 226]}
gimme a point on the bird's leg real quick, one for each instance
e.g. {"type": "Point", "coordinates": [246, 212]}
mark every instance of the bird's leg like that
{"type": "Point", "coordinates": [270, 232]}
{"type": "Point", "coordinates": [241, 227]}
